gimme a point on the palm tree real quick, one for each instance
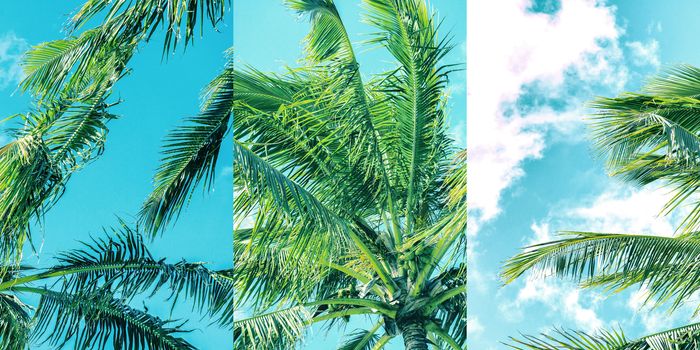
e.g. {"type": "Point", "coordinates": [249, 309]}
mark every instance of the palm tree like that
{"type": "Point", "coordinates": [350, 198]}
{"type": "Point", "coordinates": [648, 137]}
{"type": "Point", "coordinates": [84, 297]}
{"type": "Point", "coordinates": [71, 81]}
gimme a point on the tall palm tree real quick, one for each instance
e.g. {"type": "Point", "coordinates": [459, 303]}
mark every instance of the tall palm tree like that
{"type": "Point", "coordinates": [84, 297]}
{"type": "Point", "coordinates": [648, 137]}
{"type": "Point", "coordinates": [71, 81]}
{"type": "Point", "coordinates": [350, 198]}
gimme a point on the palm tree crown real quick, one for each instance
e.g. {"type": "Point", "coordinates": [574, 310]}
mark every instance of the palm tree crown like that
{"type": "Point", "coordinates": [350, 198]}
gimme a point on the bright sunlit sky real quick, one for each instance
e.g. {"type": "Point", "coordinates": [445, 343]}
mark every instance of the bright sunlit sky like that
{"type": "Point", "coordinates": [269, 37]}
{"type": "Point", "coordinates": [156, 97]}
{"type": "Point", "coordinates": [531, 68]}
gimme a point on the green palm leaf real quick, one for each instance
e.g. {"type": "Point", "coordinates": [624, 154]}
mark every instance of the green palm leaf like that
{"type": "Point", "coordinates": [123, 262]}
{"type": "Point", "coordinates": [191, 154]}
{"type": "Point", "coordinates": [654, 138]}
{"type": "Point", "coordinates": [276, 330]}
{"type": "Point", "coordinates": [681, 338]}
{"type": "Point", "coordinates": [665, 265]}
{"type": "Point", "coordinates": [91, 320]}
{"type": "Point", "coordinates": [15, 322]}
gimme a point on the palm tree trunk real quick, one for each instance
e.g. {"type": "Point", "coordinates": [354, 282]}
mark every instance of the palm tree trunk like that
{"type": "Point", "coordinates": [414, 336]}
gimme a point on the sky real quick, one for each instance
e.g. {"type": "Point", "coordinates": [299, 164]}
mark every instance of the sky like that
{"type": "Point", "coordinates": [531, 68]}
{"type": "Point", "coordinates": [269, 37]}
{"type": "Point", "coordinates": [156, 97]}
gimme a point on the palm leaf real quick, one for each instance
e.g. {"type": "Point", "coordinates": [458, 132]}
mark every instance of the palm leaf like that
{"type": "Point", "coordinates": [667, 266]}
{"type": "Point", "coordinates": [91, 320]}
{"type": "Point", "coordinates": [191, 153]}
{"type": "Point", "coordinates": [409, 33]}
{"type": "Point", "coordinates": [362, 339]}
{"type": "Point", "coordinates": [123, 262]}
{"type": "Point", "coordinates": [175, 16]}
{"type": "Point", "coordinates": [15, 322]}
{"type": "Point", "coordinates": [276, 330]}
{"type": "Point", "coordinates": [681, 338]}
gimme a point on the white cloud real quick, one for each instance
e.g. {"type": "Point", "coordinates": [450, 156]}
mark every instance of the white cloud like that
{"type": "Point", "coordinates": [621, 209]}
{"type": "Point", "coordinates": [560, 298]}
{"type": "Point", "coordinates": [509, 48]}
{"type": "Point", "coordinates": [474, 327]}
{"type": "Point", "coordinates": [644, 53]}
{"type": "Point", "coordinates": [658, 319]}
{"type": "Point", "coordinates": [11, 50]}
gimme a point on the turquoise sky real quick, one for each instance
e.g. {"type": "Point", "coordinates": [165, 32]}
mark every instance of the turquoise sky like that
{"type": "Point", "coordinates": [157, 96]}
{"type": "Point", "coordinates": [562, 186]}
{"type": "Point", "coordinates": [268, 36]}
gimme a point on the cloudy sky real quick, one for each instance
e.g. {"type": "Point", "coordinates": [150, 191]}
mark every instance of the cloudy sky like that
{"type": "Point", "coordinates": [532, 66]}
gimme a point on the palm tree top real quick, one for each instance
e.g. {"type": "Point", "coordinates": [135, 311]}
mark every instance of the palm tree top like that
{"type": "Point", "coordinates": [349, 194]}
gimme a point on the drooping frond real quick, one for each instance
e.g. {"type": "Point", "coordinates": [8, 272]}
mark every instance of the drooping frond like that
{"type": "Point", "coordinates": [681, 338]}
{"type": "Point", "coordinates": [654, 138]}
{"type": "Point", "coordinates": [179, 19]}
{"type": "Point", "coordinates": [53, 143]}
{"type": "Point", "coordinates": [451, 315]}
{"type": "Point", "coordinates": [63, 64]}
{"type": "Point", "coordinates": [299, 123]}
{"type": "Point", "coordinates": [276, 274]}
{"type": "Point", "coordinates": [123, 263]}
{"type": "Point", "coordinates": [15, 322]}
{"type": "Point", "coordinates": [97, 320]}
{"type": "Point", "coordinates": [665, 265]}
{"type": "Point", "coordinates": [328, 39]}
{"type": "Point", "coordinates": [265, 183]}
{"type": "Point", "coordinates": [75, 65]}
{"type": "Point", "coordinates": [190, 155]}
{"type": "Point", "coordinates": [362, 339]}
{"type": "Point", "coordinates": [276, 330]}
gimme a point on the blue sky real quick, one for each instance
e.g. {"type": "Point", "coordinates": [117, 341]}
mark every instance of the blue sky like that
{"type": "Point", "coordinates": [269, 37]}
{"type": "Point", "coordinates": [157, 96]}
{"type": "Point", "coordinates": [531, 68]}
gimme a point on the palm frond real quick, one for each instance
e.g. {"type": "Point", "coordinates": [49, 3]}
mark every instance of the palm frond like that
{"type": "Point", "coordinates": [574, 340]}
{"type": "Point", "coordinates": [667, 266]}
{"type": "Point", "coordinates": [263, 182]}
{"type": "Point", "coordinates": [305, 125]}
{"type": "Point", "coordinates": [451, 316]}
{"type": "Point", "coordinates": [678, 81]}
{"type": "Point", "coordinates": [53, 143]}
{"type": "Point", "coordinates": [362, 339]}
{"type": "Point", "coordinates": [277, 274]}
{"type": "Point", "coordinates": [15, 322]}
{"type": "Point", "coordinates": [653, 138]}
{"type": "Point", "coordinates": [191, 153]}
{"type": "Point", "coordinates": [94, 320]}
{"type": "Point", "coordinates": [276, 330]}
{"type": "Point", "coordinates": [409, 32]}
{"type": "Point", "coordinates": [175, 16]}
{"type": "Point", "coordinates": [123, 263]}
{"type": "Point", "coordinates": [682, 338]}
